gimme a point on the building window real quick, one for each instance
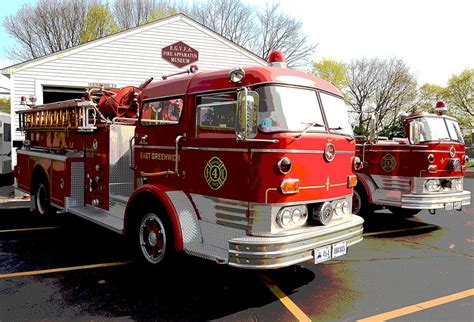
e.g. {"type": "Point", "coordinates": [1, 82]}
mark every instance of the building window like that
{"type": "Point", "coordinates": [162, 112]}
{"type": "Point", "coordinates": [7, 134]}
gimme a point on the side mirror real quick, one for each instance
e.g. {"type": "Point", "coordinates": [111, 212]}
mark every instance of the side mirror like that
{"type": "Point", "coordinates": [247, 112]}
{"type": "Point", "coordinates": [373, 128]}
{"type": "Point", "coordinates": [414, 132]}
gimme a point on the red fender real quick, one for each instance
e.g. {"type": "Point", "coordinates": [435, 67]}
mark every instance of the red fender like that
{"type": "Point", "coordinates": [366, 187]}
{"type": "Point", "coordinates": [159, 193]}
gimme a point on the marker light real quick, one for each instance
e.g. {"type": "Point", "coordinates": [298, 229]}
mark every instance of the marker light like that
{"type": "Point", "coordinates": [236, 75]}
{"type": "Point", "coordinates": [441, 108]}
{"type": "Point", "coordinates": [277, 59]}
{"type": "Point", "coordinates": [284, 165]}
{"type": "Point", "coordinates": [289, 186]}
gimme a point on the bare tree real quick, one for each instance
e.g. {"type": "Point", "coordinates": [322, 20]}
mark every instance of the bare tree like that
{"type": "Point", "coordinates": [279, 31]}
{"type": "Point", "coordinates": [382, 87]}
{"type": "Point", "coordinates": [234, 20]}
{"type": "Point", "coordinates": [47, 27]}
{"type": "Point", "coordinates": [261, 31]}
{"type": "Point", "coordinates": [363, 76]}
{"type": "Point", "coordinates": [134, 13]}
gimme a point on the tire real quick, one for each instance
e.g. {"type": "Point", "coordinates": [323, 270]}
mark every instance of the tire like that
{"type": "Point", "coordinates": [42, 199]}
{"type": "Point", "coordinates": [404, 212]}
{"type": "Point", "coordinates": [360, 202]}
{"type": "Point", "coordinates": [153, 239]}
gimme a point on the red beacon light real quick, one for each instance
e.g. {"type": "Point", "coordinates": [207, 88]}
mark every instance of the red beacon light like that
{"type": "Point", "coordinates": [23, 100]}
{"type": "Point", "coordinates": [441, 108]}
{"type": "Point", "coordinates": [277, 59]}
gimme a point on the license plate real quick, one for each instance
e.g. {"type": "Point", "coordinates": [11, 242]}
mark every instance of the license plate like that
{"type": "Point", "coordinates": [339, 249]}
{"type": "Point", "coordinates": [448, 206]}
{"type": "Point", "coordinates": [322, 254]}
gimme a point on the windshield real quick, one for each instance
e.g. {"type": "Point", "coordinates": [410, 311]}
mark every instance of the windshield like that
{"type": "Point", "coordinates": [336, 114]}
{"type": "Point", "coordinates": [435, 129]}
{"type": "Point", "coordinates": [288, 109]}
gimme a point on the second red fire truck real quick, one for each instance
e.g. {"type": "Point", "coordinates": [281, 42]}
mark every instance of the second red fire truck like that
{"type": "Point", "coordinates": [406, 175]}
{"type": "Point", "coordinates": [251, 167]}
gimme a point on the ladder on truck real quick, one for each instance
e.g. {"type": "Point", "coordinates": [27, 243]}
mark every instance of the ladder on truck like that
{"type": "Point", "coordinates": [74, 115]}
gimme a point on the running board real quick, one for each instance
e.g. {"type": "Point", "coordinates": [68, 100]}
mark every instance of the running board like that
{"type": "Point", "coordinates": [99, 216]}
{"type": "Point", "coordinates": [216, 254]}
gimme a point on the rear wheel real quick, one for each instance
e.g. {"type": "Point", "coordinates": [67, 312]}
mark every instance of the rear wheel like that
{"type": "Point", "coordinates": [403, 212]}
{"type": "Point", "coordinates": [42, 200]}
{"type": "Point", "coordinates": [153, 239]}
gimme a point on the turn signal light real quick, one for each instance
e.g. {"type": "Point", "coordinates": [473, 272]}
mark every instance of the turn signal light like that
{"type": "Point", "coordinates": [351, 181]}
{"type": "Point", "coordinates": [289, 186]}
{"type": "Point", "coordinates": [432, 168]}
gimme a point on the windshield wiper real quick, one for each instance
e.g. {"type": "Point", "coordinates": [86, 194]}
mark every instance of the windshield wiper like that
{"type": "Point", "coordinates": [310, 125]}
{"type": "Point", "coordinates": [343, 133]}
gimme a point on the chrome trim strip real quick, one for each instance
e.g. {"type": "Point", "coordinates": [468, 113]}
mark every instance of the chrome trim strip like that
{"type": "Point", "coordinates": [199, 148]}
{"type": "Point", "coordinates": [47, 155]}
{"type": "Point", "coordinates": [191, 148]}
{"type": "Point", "coordinates": [159, 147]}
{"type": "Point", "coordinates": [412, 151]}
{"type": "Point", "coordinates": [287, 151]}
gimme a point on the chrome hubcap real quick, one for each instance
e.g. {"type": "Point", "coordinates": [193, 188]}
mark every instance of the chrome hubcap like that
{"type": "Point", "coordinates": [152, 238]}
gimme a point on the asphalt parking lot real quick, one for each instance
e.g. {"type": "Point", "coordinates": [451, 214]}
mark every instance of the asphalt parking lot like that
{"type": "Point", "coordinates": [405, 269]}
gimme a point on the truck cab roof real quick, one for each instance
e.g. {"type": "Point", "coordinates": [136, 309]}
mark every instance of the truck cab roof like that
{"type": "Point", "coordinates": [219, 80]}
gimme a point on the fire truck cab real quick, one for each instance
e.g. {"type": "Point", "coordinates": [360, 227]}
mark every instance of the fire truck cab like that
{"type": "Point", "coordinates": [250, 167]}
{"type": "Point", "coordinates": [423, 171]}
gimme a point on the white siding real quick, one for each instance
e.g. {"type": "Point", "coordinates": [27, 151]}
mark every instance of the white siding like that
{"type": "Point", "coordinates": [127, 59]}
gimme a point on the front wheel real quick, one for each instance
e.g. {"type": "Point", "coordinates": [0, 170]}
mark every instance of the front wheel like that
{"type": "Point", "coordinates": [403, 212]}
{"type": "Point", "coordinates": [153, 239]}
{"type": "Point", "coordinates": [360, 203]}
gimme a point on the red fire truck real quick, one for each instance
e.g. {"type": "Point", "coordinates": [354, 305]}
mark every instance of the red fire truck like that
{"type": "Point", "coordinates": [249, 167]}
{"type": "Point", "coordinates": [405, 175]}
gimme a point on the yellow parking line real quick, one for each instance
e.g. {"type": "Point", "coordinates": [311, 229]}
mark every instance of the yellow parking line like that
{"type": "Point", "coordinates": [27, 229]}
{"type": "Point", "coordinates": [62, 269]}
{"type": "Point", "coordinates": [285, 300]}
{"type": "Point", "coordinates": [398, 230]}
{"type": "Point", "coordinates": [419, 307]}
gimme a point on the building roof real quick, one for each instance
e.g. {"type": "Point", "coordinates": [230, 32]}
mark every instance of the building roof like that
{"type": "Point", "coordinates": [66, 52]}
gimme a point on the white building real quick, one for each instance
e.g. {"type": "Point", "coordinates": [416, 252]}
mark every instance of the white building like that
{"type": "Point", "coordinates": [125, 58]}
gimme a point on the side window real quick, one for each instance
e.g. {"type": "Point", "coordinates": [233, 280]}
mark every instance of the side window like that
{"type": "Point", "coordinates": [7, 134]}
{"type": "Point", "coordinates": [162, 112]}
{"type": "Point", "coordinates": [217, 111]}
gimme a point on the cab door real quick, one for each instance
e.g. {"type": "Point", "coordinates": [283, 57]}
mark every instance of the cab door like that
{"type": "Point", "coordinates": [161, 125]}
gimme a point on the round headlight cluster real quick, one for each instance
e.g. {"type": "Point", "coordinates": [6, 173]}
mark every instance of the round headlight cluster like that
{"type": "Point", "coordinates": [292, 217]}
{"type": "Point", "coordinates": [341, 207]}
{"type": "Point", "coordinates": [457, 184]}
{"type": "Point", "coordinates": [432, 185]}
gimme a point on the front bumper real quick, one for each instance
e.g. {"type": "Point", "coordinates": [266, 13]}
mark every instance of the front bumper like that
{"type": "Point", "coordinates": [436, 201]}
{"type": "Point", "coordinates": [275, 252]}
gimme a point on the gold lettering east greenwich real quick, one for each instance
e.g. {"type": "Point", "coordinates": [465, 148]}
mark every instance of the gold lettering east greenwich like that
{"type": "Point", "coordinates": [157, 156]}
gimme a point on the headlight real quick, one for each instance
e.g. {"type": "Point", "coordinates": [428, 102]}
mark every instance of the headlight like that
{"type": "Point", "coordinates": [346, 207]}
{"type": "Point", "coordinates": [457, 184]}
{"type": "Point", "coordinates": [432, 185]}
{"type": "Point", "coordinates": [338, 208]}
{"type": "Point", "coordinates": [292, 217]}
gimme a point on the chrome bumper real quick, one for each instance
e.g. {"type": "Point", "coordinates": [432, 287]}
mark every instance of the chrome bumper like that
{"type": "Point", "coordinates": [436, 201]}
{"type": "Point", "coordinates": [275, 252]}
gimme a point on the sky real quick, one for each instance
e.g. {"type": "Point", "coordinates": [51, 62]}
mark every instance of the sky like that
{"type": "Point", "coordinates": [434, 37]}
